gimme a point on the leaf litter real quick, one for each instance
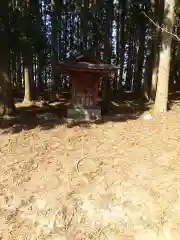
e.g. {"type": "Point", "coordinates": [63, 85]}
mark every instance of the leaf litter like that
{"type": "Point", "coordinates": [113, 181]}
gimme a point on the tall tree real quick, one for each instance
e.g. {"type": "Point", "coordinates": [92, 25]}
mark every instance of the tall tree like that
{"type": "Point", "coordinates": [54, 22]}
{"type": "Point", "coordinates": [122, 41]}
{"type": "Point", "coordinates": [7, 104]}
{"type": "Point", "coordinates": [107, 53]}
{"type": "Point", "coordinates": [165, 58]}
{"type": "Point", "coordinates": [158, 13]}
{"type": "Point", "coordinates": [27, 52]}
{"type": "Point", "coordinates": [140, 54]}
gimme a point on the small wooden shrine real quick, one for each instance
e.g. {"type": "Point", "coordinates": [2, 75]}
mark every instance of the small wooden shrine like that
{"type": "Point", "coordinates": [85, 71]}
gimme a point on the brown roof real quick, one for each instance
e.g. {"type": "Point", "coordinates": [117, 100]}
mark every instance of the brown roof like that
{"type": "Point", "coordinates": [86, 67]}
{"type": "Point", "coordinates": [84, 58]}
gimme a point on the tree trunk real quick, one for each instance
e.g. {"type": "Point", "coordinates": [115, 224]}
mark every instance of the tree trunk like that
{"type": "Point", "coordinates": [7, 106]}
{"type": "Point", "coordinates": [27, 83]}
{"type": "Point", "coordinates": [122, 43]}
{"type": "Point", "coordinates": [165, 59]}
{"type": "Point", "coordinates": [140, 59]}
{"type": "Point", "coordinates": [6, 96]}
{"type": "Point", "coordinates": [54, 44]}
{"type": "Point", "coordinates": [154, 83]}
{"type": "Point", "coordinates": [40, 82]}
{"type": "Point", "coordinates": [128, 83]}
{"type": "Point", "coordinates": [107, 58]}
{"type": "Point", "coordinates": [148, 68]}
{"type": "Point", "coordinates": [158, 15]}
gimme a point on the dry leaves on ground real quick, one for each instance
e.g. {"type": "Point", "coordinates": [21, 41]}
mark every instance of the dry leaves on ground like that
{"type": "Point", "coordinates": [111, 181]}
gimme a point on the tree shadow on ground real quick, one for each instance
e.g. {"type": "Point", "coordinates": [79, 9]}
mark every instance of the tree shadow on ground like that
{"type": "Point", "coordinates": [174, 98]}
{"type": "Point", "coordinates": [30, 117]}
{"type": "Point", "coordinates": [50, 116]}
{"type": "Point", "coordinates": [119, 111]}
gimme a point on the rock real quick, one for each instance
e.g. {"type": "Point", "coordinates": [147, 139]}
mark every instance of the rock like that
{"type": "Point", "coordinates": [47, 116]}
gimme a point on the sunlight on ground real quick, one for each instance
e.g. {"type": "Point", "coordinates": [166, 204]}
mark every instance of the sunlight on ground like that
{"type": "Point", "coordinates": [111, 181]}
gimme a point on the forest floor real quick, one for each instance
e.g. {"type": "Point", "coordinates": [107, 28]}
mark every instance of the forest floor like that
{"type": "Point", "coordinates": [115, 180]}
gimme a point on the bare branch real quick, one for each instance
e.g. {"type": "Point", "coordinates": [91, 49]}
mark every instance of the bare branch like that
{"type": "Point", "coordinates": [163, 29]}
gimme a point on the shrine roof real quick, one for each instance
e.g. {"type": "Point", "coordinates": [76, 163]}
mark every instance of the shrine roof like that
{"type": "Point", "coordinates": [85, 61]}
{"type": "Point", "coordinates": [86, 67]}
{"type": "Point", "coordinates": [83, 57]}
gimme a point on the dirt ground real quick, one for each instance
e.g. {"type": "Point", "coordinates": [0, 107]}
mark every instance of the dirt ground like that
{"type": "Point", "coordinates": [115, 180]}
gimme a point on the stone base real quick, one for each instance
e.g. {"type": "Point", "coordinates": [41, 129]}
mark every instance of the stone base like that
{"type": "Point", "coordinates": [84, 113]}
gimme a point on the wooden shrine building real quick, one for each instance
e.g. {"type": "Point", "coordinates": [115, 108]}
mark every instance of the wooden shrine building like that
{"type": "Point", "coordinates": [85, 71]}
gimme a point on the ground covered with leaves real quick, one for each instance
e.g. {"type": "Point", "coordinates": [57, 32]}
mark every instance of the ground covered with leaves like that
{"type": "Point", "coordinates": [115, 180]}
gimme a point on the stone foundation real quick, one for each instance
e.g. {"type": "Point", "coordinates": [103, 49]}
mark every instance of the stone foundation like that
{"type": "Point", "coordinates": [78, 112]}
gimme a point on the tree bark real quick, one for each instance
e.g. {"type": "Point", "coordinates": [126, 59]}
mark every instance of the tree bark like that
{"type": "Point", "coordinates": [54, 56]}
{"type": "Point", "coordinates": [140, 59]}
{"type": "Point", "coordinates": [161, 100]}
{"type": "Point", "coordinates": [107, 58]}
{"type": "Point", "coordinates": [122, 43]}
{"type": "Point", "coordinates": [27, 86]}
{"type": "Point", "coordinates": [158, 17]}
{"type": "Point", "coordinates": [7, 106]}
{"type": "Point", "coordinates": [148, 69]}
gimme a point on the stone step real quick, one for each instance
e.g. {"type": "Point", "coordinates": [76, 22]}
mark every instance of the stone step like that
{"type": "Point", "coordinates": [84, 113]}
